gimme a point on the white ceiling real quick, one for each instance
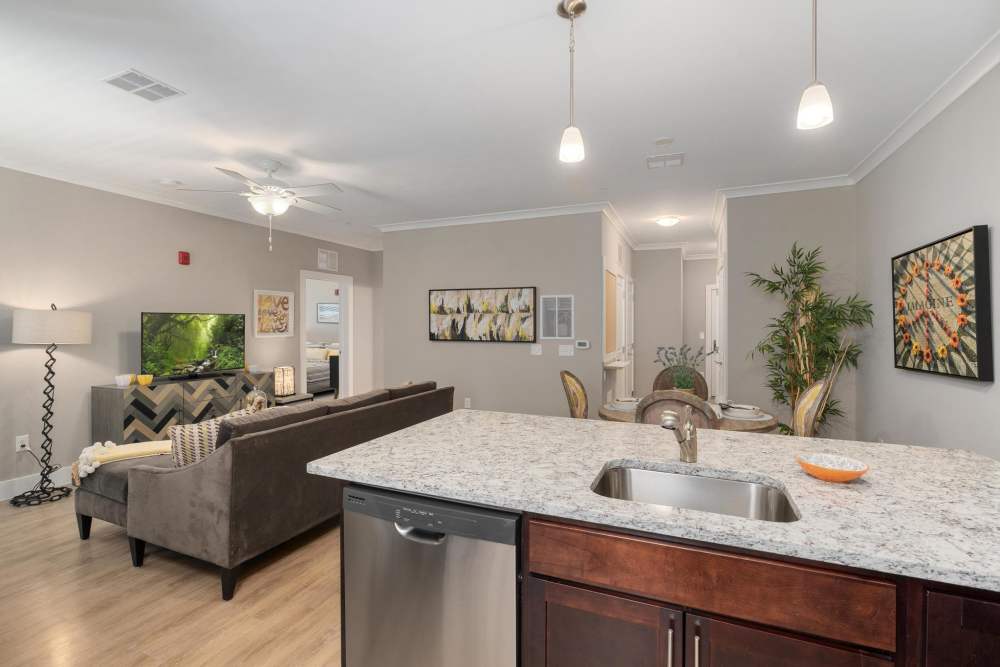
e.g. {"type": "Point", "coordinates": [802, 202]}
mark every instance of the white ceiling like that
{"type": "Point", "coordinates": [426, 110]}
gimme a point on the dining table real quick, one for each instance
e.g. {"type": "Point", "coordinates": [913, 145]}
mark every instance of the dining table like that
{"type": "Point", "coordinates": [763, 423]}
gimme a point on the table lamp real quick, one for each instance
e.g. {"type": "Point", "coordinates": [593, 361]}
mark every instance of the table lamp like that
{"type": "Point", "coordinates": [50, 328]}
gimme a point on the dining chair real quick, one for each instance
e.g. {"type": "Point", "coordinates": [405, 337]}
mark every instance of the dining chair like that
{"type": "Point", "coordinates": [651, 408]}
{"type": "Point", "coordinates": [576, 395]}
{"type": "Point", "coordinates": [665, 379]}
{"type": "Point", "coordinates": [808, 407]}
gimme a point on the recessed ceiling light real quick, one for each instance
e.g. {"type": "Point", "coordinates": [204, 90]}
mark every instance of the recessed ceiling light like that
{"type": "Point", "coordinates": [664, 141]}
{"type": "Point", "coordinates": [668, 221]}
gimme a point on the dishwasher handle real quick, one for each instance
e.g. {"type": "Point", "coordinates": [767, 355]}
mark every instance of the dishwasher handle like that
{"type": "Point", "coordinates": [422, 536]}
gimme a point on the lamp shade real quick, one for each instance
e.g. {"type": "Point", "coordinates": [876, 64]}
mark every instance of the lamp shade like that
{"type": "Point", "coordinates": [815, 107]}
{"type": "Point", "coordinates": [571, 147]}
{"type": "Point", "coordinates": [269, 204]}
{"type": "Point", "coordinates": [43, 327]}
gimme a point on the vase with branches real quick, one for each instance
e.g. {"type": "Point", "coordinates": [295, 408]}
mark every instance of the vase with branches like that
{"type": "Point", "coordinates": [808, 342]}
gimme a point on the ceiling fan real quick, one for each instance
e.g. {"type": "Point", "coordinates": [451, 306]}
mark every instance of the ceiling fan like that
{"type": "Point", "coordinates": [270, 196]}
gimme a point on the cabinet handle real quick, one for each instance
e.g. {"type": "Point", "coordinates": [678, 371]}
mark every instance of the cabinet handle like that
{"type": "Point", "coordinates": [670, 647]}
{"type": "Point", "coordinates": [697, 651]}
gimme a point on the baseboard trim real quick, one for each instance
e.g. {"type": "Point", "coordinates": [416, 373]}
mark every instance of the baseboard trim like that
{"type": "Point", "coordinates": [12, 487]}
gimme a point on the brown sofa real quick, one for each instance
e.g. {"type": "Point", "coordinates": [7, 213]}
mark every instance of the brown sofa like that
{"type": "Point", "coordinates": [253, 492]}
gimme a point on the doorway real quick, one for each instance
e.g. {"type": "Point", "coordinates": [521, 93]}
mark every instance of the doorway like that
{"type": "Point", "coordinates": [326, 328]}
{"type": "Point", "coordinates": [714, 363]}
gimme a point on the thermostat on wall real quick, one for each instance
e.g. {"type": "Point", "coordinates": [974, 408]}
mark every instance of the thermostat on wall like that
{"type": "Point", "coordinates": [583, 344]}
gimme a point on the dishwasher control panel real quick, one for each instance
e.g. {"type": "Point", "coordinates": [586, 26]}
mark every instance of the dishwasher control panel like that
{"type": "Point", "coordinates": [433, 515]}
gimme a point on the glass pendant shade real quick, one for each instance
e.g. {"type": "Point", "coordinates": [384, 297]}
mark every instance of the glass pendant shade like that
{"type": "Point", "coordinates": [815, 108]}
{"type": "Point", "coordinates": [269, 204]}
{"type": "Point", "coordinates": [571, 148]}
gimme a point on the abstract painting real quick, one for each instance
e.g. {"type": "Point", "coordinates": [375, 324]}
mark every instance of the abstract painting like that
{"type": "Point", "coordinates": [497, 315]}
{"type": "Point", "coordinates": [272, 314]}
{"type": "Point", "coordinates": [941, 306]}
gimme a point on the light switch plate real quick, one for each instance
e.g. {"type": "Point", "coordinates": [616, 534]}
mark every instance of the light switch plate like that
{"type": "Point", "coordinates": [566, 351]}
{"type": "Point", "coordinates": [536, 350]}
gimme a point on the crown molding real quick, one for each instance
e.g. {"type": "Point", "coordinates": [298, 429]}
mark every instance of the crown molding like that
{"type": "Point", "coordinates": [964, 78]}
{"type": "Point", "coordinates": [616, 221]}
{"type": "Point", "coordinates": [799, 185]}
{"type": "Point", "coordinates": [686, 248]}
{"type": "Point", "coordinates": [499, 216]}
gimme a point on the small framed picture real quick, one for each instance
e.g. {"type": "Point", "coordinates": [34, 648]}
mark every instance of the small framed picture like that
{"type": "Point", "coordinates": [273, 314]}
{"type": "Point", "coordinates": [328, 313]}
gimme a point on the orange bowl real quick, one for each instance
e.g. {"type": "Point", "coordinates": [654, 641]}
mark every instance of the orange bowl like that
{"type": "Point", "coordinates": [832, 467]}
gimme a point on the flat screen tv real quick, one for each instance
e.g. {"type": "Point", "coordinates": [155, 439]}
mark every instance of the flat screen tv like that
{"type": "Point", "coordinates": [190, 344]}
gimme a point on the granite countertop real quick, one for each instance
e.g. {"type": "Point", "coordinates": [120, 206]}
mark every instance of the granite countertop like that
{"type": "Point", "coordinates": [919, 512]}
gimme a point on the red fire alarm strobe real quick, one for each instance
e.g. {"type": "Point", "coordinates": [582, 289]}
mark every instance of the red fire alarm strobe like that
{"type": "Point", "coordinates": [183, 257]}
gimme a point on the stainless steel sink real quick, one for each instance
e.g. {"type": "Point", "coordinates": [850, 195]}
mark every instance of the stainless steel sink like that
{"type": "Point", "coordinates": [750, 500]}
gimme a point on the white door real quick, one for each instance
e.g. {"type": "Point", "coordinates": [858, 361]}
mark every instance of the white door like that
{"type": "Point", "coordinates": [630, 337]}
{"type": "Point", "coordinates": [714, 362]}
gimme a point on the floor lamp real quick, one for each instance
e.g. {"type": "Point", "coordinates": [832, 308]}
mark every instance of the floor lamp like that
{"type": "Point", "coordinates": [50, 328]}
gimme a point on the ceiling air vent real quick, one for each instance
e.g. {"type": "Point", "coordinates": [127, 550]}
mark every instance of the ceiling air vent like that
{"type": "Point", "coordinates": [660, 161]}
{"type": "Point", "coordinates": [135, 82]}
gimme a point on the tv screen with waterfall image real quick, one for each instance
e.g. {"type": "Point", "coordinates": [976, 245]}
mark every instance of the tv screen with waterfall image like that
{"type": "Point", "coordinates": [186, 344]}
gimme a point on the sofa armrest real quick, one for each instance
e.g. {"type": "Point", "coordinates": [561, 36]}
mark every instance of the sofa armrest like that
{"type": "Point", "coordinates": [185, 509]}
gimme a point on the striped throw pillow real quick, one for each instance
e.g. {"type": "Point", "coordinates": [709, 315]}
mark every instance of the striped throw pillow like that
{"type": "Point", "coordinates": [190, 443]}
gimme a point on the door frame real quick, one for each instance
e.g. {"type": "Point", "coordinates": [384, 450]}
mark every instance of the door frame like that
{"type": "Point", "coordinates": [346, 286]}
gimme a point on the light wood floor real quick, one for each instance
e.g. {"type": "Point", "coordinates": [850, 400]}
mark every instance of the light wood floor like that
{"type": "Point", "coordinates": [64, 601]}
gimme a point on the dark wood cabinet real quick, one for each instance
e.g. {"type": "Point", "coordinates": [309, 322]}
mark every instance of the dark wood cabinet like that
{"type": "Point", "coordinates": [962, 632]}
{"type": "Point", "coordinates": [714, 643]}
{"type": "Point", "coordinates": [569, 626]}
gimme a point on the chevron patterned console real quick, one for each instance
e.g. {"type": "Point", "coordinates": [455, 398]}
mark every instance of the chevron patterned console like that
{"type": "Point", "coordinates": [136, 413]}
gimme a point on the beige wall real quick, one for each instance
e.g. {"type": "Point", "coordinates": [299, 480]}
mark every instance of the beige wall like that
{"type": "Point", "coordinates": [115, 257]}
{"type": "Point", "coordinates": [761, 231]}
{"type": "Point", "coordinates": [659, 310]}
{"type": "Point", "coordinates": [698, 274]}
{"type": "Point", "coordinates": [943, 180]}
{"type": "Point", "coordinates": [317, 292]}
{"type": "Point", "coordinates": [558, 255]}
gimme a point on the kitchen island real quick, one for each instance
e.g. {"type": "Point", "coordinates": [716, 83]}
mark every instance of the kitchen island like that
{"type": "Point", "coordinates": [918, 537]}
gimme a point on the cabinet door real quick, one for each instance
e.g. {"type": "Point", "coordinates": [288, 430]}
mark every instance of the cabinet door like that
{"type": "Point", "coordinates": [962, 632]}
{"type": "Point", "coordinates": [568, 626]}
{"type": "Point", "coordinates": [715, 643]}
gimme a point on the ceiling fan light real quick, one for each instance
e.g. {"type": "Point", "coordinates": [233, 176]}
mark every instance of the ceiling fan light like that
{"type": "Point", "coordinates": [815, 107]}
{"type": "Point", "coordinates": [571, 148]}
{"type": "Point", "coordinates": [269, 204]}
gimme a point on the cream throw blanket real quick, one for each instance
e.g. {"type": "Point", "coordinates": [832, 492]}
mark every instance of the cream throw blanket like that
{"type": "Point", "coordinates": [99, 453]}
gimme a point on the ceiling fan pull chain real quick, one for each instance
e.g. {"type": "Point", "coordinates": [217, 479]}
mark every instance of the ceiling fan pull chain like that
{"type": "Point", "coordinates": [269, 233]}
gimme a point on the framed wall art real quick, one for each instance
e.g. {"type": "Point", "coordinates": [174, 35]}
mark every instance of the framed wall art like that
{"type": "Point", "coordinates": [941, 305]}
{"type": "Point", "coordinates": [491, 315]}
{"type": "Point", "coordinates": [328, 313]}
{"type": "Point", "coordinates": [273, 314]}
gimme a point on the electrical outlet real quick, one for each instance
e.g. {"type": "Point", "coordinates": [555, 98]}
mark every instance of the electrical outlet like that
{"type": "Point", "coordinates": [468, 403]}
{"type": "Point", "coordinates": [22, 443]}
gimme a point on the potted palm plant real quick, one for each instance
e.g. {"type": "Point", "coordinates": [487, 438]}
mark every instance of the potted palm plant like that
{"type": "Point", "coordinates": [808, 342]}
{"type": "Point", "coordinates": [684, 361]}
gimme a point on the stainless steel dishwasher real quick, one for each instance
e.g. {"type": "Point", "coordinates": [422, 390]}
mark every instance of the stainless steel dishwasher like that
{"type": "Point", "coordinates": [427, 583]}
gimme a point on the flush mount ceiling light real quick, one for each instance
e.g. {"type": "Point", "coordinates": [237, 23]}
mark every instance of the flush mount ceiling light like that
{"type": "Point", "coordinates": [571, 147]}
{"type": "Point", "coordinates": [668, 221]}
{"type": "Point", "coordinates": [815, 107]}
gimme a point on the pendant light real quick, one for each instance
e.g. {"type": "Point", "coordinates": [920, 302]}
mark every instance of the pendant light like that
{"type": "Point", "coordinates": [815, 107]}
{"type": "Point", "coordinates": [571, 147]}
